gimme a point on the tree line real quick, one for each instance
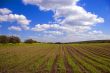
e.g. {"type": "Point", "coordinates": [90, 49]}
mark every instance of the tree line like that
{"type": "Point", "coordinates": [14, 39]}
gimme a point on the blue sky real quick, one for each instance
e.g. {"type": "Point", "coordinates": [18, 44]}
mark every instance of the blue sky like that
{"type": "Point", "coordinates": [56, 20]}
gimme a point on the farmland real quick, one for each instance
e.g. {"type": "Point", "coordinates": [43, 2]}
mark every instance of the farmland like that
{"type": "Point", "coordinates": [55, 58]}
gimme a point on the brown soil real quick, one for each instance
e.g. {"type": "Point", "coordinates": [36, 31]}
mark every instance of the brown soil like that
{"type": "Point", "coordinates": [54, 66]}
{"type": "Point", "coordinates": [67, 66]}
{"type": "Point", "coordinates": [82, 68]}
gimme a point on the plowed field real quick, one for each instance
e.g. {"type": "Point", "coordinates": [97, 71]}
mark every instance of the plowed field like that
{"type": "Point", "coordinates": [55, 58]}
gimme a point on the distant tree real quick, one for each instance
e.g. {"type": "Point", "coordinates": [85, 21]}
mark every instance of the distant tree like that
{"type": "Point", "coordinates": [3, 39]}
{"type": "Point", "coordinates": [14, 39]}
{"type": "Point", "coordinates": [58, 43]}
{"type": "Point", "coordinates": [30, 41]}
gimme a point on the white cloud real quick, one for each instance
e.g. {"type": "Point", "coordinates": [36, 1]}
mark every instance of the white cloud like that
{"type": "Point", "coordinates": [16, 28]}
{"type": "Point", "coordinates": [72, 13]}
{"type": "Point", "coordinates": [76, 16]}
{"type": "Point", "coordinates": [7, 16]}
{"type": "Point", "coordinates": [60, 28]}
{"type": "Point", "coordinates": [67, 14]}
{"type": "Point", "coordinates": [21, 19]}
{"type": "Point", "coordinates": [50, 4]}
{"type": "Point", "coordinates": [43, 27]}
{"type": "Point", "coordinates": [25, 27]}
{"type": "Point", "coordinates": [53, 32]}
{"type": "Point", "coordinates": [95, 32]}
{"type": "Point", "coordinates": [70, 19]}
{"type": "Point", "coordinates": [5, 11]}
{"type": "Point", "coordinates": [70, 37]}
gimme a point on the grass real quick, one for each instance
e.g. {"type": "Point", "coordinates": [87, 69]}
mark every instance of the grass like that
{"type": "Point", "coordinates": [55, 58]}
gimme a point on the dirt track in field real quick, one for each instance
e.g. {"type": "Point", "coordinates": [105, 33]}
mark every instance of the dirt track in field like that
{"type": "Point", "coordinates": [67, 66]}
{"type": "Point", "coordinates": [54, 66]}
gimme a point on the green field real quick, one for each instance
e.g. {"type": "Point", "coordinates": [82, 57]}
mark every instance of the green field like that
{"type": "Point", "coordinates": [55, 58]}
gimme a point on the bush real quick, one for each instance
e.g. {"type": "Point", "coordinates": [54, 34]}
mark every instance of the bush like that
{"type": "Point", "coordinates": [58, 43]}
{"type": "Point", "coordinates": [14, 39]}
{"type": "Point", "coordinates": [3, 39]}
{"type": "Point", "coordinates": [30, 41]}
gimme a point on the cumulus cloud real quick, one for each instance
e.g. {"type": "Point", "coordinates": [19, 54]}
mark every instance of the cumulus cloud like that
{"type": "Point", "coordinates": [70, 19]}
{"type": "Point", "coordinates": [16, 28]}
{"type": "Point", "coordinates": [50, 4]}
{"type": "Point", "coordinates": [5, 11]}
{"type": "Point", "coordinates": [25, 27]}
{"type": "Point", "coordinates": [21, 19]}
{"type": "Point", "coordinates": [7, 16]}
{"type": "Point", "coordinates": [69, 10]}
{"type": "Point", "coordinates": [95, 32]}
{"type": "Point", "coordinates": [43, 27]}
{"type": "Point", "coordinates": [60, 28]}
{"type": "Point", "coordinates": [53, 32]}
{"type": "Point", "coordinates": [67, 13]}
